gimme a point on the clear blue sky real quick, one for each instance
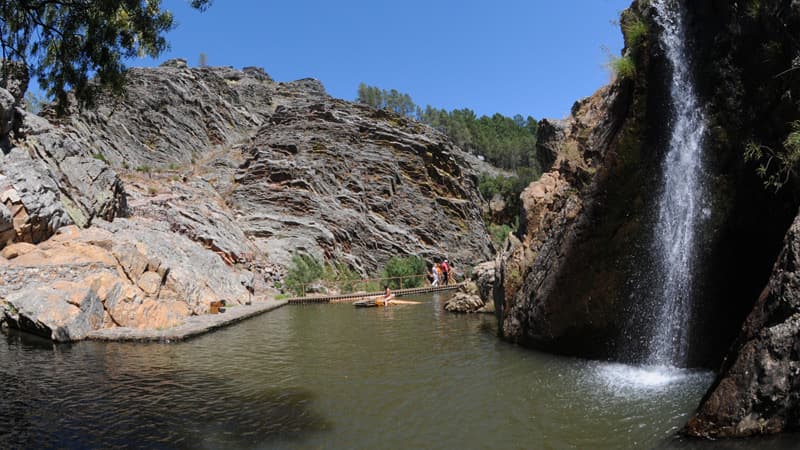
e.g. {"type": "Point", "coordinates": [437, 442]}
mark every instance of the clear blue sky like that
{"type": "Point", "coordinates": [529, 57]}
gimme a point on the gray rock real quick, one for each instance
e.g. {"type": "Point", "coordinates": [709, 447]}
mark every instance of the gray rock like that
{"type": "Point", "coordinates": [177, 63]}
{"type": "Point", "coordinates": [32, 194]}
{"type": "Point", "coordinates": [7, 111]}
{"type": "Point", "coordinates": [189, 272]}
{"type": "Point", "coordinates": [359, 185]}
{"type": "Point", "coordinates": [6, 224]}
{"type": "Point", "coordinates": [174, 115]}
{"type": "Point", "coordinates": [31, 124]}
{"type": "Point", "coordinates": [484, 275]}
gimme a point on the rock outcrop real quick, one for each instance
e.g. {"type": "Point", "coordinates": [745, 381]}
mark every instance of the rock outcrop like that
{"type": "Point", "coordinates": [758, 388]}
{"type": "Point", "coordinates": [200, 184]}
{"type": "Point", "coordinates": [538, 305]}
{"type": "Point", "coordinates": [471, 297]}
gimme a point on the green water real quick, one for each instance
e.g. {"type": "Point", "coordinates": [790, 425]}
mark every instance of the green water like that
{"type": "Point", "coordinates": [335, 376]}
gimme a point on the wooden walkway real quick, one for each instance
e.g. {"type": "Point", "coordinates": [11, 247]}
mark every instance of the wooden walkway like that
{"type": "Point", "coordinates": [360, 295]}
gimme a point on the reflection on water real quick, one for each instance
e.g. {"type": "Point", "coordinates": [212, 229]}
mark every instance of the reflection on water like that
{"type": "Point", "coordinates": [335, 376]}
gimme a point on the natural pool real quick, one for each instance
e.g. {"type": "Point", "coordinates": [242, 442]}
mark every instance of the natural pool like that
{"type": "Point", "coordinates": [334, 376]}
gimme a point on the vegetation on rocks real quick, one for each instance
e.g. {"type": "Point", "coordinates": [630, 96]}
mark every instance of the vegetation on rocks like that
{"type": "Point", "coordinates": [305, 269]}
{"type": "Point", "coordinates": [776, 166]}
{"type": "Point", "coordinates": [406, 268]}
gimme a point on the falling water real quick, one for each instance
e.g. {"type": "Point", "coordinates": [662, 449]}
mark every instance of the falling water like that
{"type": "Point", "coordinates": [681, 198]}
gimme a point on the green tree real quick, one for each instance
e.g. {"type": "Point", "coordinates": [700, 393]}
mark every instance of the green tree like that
{"type": "Point", "coordinates": [65, 42]}
{"type": "Point", "coordinates": [305, 269]}
{"type": "Point", "coordinates": [407, 267]}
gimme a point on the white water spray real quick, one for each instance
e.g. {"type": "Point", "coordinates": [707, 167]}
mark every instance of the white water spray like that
{"type": "Point", "coordinates": [681, 199]}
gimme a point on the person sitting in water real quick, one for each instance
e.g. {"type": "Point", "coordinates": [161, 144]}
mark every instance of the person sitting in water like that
{"type": "Point", "coordinates": [387, 296]}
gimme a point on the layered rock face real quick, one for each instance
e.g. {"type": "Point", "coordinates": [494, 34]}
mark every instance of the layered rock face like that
{"type": "Point", "coordinates": [200, 184]}
{"type": "Point", "coordinates": [357, 185]}
{"type": "Point", "coordinates": [299, 170]}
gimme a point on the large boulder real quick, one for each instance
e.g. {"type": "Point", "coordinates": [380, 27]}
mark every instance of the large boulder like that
{"type": "Point", "coordinates": [133, 274]}
{"type": "Point", "coordinates": [758, 388]}
{"type": "Point", "coordinates": [468, 300]}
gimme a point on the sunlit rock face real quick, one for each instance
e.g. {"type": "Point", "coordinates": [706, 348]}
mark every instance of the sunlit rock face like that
{"type": "Point", "coordinates": [200, 184]}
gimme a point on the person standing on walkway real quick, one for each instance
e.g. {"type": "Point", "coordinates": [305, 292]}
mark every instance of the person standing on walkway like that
{"type": "Point", "coordinates": [435, 274]}
{"type": "Point", "coordinates": [445, 272]}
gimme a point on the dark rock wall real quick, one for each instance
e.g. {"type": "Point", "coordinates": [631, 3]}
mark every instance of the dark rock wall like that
{"type": "Point", "coordinates": [758, 388]}
{"type": "Point", "coordinates": [741, 51]}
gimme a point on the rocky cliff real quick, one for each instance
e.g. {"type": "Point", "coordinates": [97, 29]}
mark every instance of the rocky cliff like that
{"type": "Point", "coordinates": [574, 278]}
{"type": "Point", "coordinates": [200, 184]}
{"type": "Point", "coordinates": [758, 388]}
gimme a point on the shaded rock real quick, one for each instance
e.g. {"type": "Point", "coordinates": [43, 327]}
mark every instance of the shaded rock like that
{"type": "Point", "coordinates": [536, 303]}
{"type": "Point", "coordinates": [485, 276]}
{"type": "Point", "coordinates": [28, 189]}
{"type": "Point", "coordinates": [6, 224]}
{"type": "Point", "coordinates": [7, 111]}
{"type": "Point", "coordinates": [14, 78]}
{"type": "Point", "coordinates": [757, 391]}
{"type": "Point", "coordinates": [31, 124]}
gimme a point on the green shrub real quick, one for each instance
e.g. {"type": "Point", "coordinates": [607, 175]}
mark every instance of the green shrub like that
{"type": "Point", "coordinates": [777, 168]}
{"type": "Point", "coordinates": [144, 169]}
{"type": "Point", "coordinates": [404, 267]}
{"type": "Point", "coordinates": [622, 67]}
{"type": "Point", "coordinates": [634, 30]}
{"type": "Point", "coordinates": [305, 269]}
{"type": "Point", "coordinates": [342, 276]}
{"type": "Point", "coordinates": [100, 157]}
{"type": "Point", "coordinates": [509, 188]}
{"type": "Point", "coordinates": [499, 233]}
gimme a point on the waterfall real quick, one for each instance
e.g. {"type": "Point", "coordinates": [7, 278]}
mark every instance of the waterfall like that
{"type": "Point", "coordinates": [681, 199]}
